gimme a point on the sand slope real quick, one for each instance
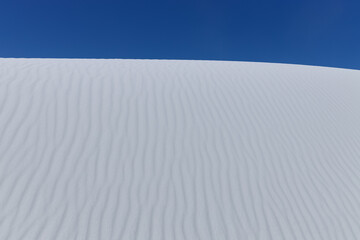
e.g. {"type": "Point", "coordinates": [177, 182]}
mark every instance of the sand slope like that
{"type": "Point", "coordinates": [146, 149]}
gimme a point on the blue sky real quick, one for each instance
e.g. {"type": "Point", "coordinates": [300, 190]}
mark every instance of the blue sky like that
{"type": "Point", "coordinates": [325, 33]}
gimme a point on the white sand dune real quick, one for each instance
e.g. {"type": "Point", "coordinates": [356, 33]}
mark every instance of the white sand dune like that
{"type": "Point", "coordinates": [162, 150]}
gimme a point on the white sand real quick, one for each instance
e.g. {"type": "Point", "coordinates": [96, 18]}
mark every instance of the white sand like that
{"type": "Point", "coordinates": [187, 150]}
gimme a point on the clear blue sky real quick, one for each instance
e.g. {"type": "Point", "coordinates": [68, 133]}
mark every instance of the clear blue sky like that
{"type": "Point", "coordinates": [325, 33]}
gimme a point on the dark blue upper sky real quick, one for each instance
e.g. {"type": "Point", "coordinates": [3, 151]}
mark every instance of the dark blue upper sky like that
{"type": "Point", "coordinates": [310, 32]}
